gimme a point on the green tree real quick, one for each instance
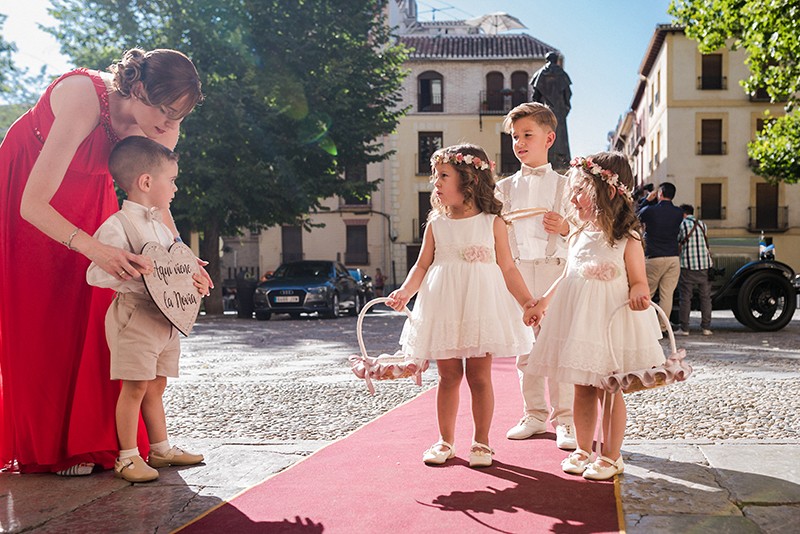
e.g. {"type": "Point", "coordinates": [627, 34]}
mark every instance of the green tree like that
{"type": "Point", "coordinates": [295, 93]}
{"type": "Point", "coordinates": [769, 31]}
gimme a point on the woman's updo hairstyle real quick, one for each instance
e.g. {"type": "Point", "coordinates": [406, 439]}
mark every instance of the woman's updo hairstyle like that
{"type": "Point", "coordinates": [167, 77]}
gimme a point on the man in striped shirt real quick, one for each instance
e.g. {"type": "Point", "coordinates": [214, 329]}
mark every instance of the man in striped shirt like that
{"type": "Point", "coordinates": [695, 262]}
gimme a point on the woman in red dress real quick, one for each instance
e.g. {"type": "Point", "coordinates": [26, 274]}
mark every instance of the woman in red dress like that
{"type": "Point", "coordinates": [57, 403]}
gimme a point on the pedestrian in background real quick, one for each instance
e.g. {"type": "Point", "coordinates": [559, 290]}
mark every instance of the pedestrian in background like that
{"type": "Point", "coordinates": [661, 219]}
{"type": "Point", "coordinates": [695, 264]}
{"type": "Point", "coordinates": [379, 282]}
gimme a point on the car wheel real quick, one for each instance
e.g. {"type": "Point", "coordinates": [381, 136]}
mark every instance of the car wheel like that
{"type": "Point", "coordinates": [766, 302]}
{"type": "Point", "coordinates": [263, 316]}
{"type": "Point", "coordinates": [333, 313]}
{"type": "Point", "coordinates": [357, 305]}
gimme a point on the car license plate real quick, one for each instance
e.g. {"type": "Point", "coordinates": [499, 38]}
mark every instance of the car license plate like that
{"type": "Point", "coordinates": [287, 299]}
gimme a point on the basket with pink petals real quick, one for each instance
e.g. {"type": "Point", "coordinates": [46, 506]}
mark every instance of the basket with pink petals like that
{"type": "Point", "coordinates": [674, 369]}
{"type": "Point", "coordinates": [384, 366]}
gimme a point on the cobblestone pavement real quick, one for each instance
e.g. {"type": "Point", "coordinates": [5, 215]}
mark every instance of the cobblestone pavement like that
{"type": "Point", "coordinates": [257, 396]}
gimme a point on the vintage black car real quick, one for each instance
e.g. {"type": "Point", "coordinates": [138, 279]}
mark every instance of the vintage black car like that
{"type": "Point", "coordinates": [308, 286]}
{"type": "Point", "coordinates": [761, 293]}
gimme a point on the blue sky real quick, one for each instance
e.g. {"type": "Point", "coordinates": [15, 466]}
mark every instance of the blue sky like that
{"type": "Point", "coordinates": [603, 42]}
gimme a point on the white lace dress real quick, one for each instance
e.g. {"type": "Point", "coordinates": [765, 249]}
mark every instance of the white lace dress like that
{"type": "Point", "coordinates": [572, 346]}
{"type": "Point", "coordinates": [463, 308]}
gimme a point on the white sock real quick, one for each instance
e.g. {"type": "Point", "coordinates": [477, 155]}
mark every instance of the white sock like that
{"type": "Point", "coordinates": [162, 447]}
{"type": "Point", "coordinates": [129, 453]}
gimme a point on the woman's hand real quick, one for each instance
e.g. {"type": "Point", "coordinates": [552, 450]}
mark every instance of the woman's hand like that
{"type": "Point", "coordinates": [204, 273]}
{"type": "Point", "coordinates": [201, 283]}
{"type": "Point", "coordinates": [119, 263]}
{"type": "Point", "coordinates": [398, 299]}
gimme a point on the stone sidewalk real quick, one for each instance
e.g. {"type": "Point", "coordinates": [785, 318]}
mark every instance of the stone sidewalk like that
{"type": "Point", "coordinates": [697, 484]}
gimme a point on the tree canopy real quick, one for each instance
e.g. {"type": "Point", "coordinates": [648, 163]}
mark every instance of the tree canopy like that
{"type": "Point", "coordinates": [295, 93]}
{"type": "Point", "coordinates": [769, 31]}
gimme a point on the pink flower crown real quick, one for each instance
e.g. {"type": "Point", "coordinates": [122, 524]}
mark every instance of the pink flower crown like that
{"type": "Point", "coordinates": [459, 158]}
{"type": "Point", "coordinates": [611, 178]}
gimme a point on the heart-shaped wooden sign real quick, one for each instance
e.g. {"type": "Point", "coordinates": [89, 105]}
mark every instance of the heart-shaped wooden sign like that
{"type": "Point", "coordinates": [171, 285]}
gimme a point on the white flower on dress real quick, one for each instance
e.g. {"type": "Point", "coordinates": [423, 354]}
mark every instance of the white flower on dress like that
{"type": "Point", "coordinates": [604, 272]}
{"type": "Point", "coordinates": [479, 253]}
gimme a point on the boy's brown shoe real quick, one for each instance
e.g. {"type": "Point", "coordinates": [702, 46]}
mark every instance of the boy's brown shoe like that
{"type": "Point", "coordinates": [134, 469]}
{"type": "Point", "coordinates": [175, 456]}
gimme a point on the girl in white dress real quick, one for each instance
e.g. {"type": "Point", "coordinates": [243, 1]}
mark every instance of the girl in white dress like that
{"type": "Point", "coordinates": [605, 268]}
{"type": "Point", "coordinates": [465, 312]}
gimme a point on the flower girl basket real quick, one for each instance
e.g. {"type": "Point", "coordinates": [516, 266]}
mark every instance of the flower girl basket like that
{"type": "Point", "coordinates": [385, 366]}
{"type": "Point", "coordinates": [675, 369]}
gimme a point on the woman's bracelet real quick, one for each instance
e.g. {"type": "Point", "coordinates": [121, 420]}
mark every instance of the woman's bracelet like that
{"type": "Point", "coordinates": [68, 242]}
{"type": "Point", "coordinates": [178, 239]}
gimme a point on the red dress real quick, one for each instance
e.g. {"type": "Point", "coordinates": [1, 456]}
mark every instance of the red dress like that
{"type": "Point", "coordinates": [58, 401]}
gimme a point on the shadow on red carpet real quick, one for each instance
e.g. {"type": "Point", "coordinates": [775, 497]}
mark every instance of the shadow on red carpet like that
{"type": "Point", "coordinates": [374, 481]}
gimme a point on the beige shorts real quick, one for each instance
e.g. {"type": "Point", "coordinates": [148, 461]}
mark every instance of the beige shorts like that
{"type": "Point", "coordinates": [143, 343]}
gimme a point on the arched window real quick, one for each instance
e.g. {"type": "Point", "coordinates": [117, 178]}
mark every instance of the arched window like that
{"type": "Point", "coordinates": [519, 84]}
{"type": "Point", "coordinates": [430, 87]}
{"type": "Point", "coordinates": [494, 91]}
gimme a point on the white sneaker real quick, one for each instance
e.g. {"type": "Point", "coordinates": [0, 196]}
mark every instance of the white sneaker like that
{"type": "Point", "coordinates": [681, 332]}
{"type": "Point", "coordinates": [565, 438]}
{"type": "Point", "coordinates": [527, 427]}
{"type": "Point", "coordinates": [707, 332]}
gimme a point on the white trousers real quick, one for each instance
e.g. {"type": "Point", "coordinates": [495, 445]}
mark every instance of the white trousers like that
{"type": "Point", "coordinates": [533, 386]}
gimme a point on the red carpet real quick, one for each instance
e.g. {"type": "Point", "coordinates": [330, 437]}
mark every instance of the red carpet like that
{"type": "Point", "coordinates": [374, 481]}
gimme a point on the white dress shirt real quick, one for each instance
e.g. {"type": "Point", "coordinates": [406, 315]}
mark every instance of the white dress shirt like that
{"type": "Point", "coordinates": [111, 232]}
{"type": "Point", "coordinates": [533, 188]}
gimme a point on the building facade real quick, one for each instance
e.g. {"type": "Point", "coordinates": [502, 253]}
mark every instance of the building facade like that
{"type": "Point", "coordinates": [460, 84]}
{"type": "Point", "coordinates": [689, 123]}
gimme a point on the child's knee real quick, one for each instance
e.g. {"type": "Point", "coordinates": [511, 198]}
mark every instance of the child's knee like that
{"type": "Point", "coordinates": [134, 388]}
{"type": "Point", "coordinates": [450, 377]}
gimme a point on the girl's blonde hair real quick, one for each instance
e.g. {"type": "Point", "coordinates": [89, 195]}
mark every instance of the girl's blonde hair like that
{"type": "Point", "coordinates": [476, 183]}
{"type": "Point", "coordinates": [616, 215]}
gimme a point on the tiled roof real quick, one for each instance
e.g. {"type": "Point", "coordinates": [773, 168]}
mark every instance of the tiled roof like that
{"type": "Point", "coordinates": [461, 47]}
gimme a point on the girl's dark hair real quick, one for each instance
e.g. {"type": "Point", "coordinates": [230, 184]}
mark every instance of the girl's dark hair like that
{"type": "Point", "coordinates": [476, 185]}
{"type": "Point", "coordinates": [616, 215]}
{"type": "Point", "coordinates": [168, 77]}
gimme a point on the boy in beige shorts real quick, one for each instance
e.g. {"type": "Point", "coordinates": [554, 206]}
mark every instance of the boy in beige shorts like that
{"type": "Point", "coordinates": [145, 347]}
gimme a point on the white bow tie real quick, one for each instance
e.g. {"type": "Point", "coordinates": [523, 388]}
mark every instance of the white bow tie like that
{"type": "Point", "coordinates": [531, 171]}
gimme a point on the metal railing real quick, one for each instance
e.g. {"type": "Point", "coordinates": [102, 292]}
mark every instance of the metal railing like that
{"type": "Point", "coordinates": [507, 163]}
{"type": "Point", "coordinates": [712, 148]}
{"type": "Point", "coordinates": [712, 83]}
{"type": "Point", "coordinates": [360, 257]}
{"type": "Point", "coordinates": [712, 213]}
{"type": "Point", "coordinates": [496, 102]}
{"type": "Point", "coordinates": [768, 219]}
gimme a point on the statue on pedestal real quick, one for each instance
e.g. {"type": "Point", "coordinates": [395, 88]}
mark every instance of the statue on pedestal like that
{"type": "Point", "coordinates": [551, 86]}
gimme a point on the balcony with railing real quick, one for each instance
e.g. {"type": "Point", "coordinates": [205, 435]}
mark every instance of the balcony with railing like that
{"type": "Point", "coordinates": [710, 213]}
{"type": "Point", "coordinates": [507, 163]}
{"type": "Point", "coordinates": [711, 148]}
{"type": "Point", "coordinates": [768, 218]}
{"type": "Point", "coordinates": [712, 83]}
{"type": "Point", "coordinates": [496, 102]}
{"type": "Point", "coordinates": [360, 257]}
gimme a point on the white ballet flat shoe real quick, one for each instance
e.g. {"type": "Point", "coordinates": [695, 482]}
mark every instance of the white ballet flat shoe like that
{"type": "Point", "coordinates": [577, 461]}
{"type": "Point", "coordinates": [436, 456]}
{"type": "Point", "coordinates": [480, 455]}
{"type": "Point", "coordinates": [598, 471]}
